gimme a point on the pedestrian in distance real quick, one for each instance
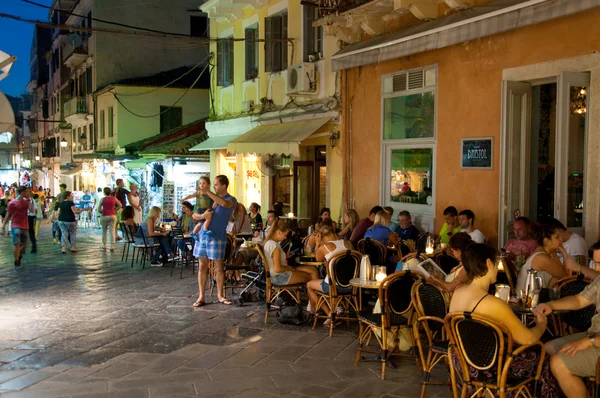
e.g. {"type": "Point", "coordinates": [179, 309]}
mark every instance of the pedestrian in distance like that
{"type": "Point", "coordinates": [17, 212]}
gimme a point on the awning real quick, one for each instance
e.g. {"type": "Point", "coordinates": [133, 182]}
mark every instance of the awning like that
{"type": "Point", "coordinates": [481, 21]}
{"type": "Point", "coordinates": [72, 172]}
{"type": "Point", "coordinates": [277, 138]}
{"type": "Point", "coordinates": [140, 163]}
{"type": "Point", "coordinates": [219, 142]}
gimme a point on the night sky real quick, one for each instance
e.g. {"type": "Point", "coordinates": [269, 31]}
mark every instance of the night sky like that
{"type": "Point", "coordinates": [15, 39]}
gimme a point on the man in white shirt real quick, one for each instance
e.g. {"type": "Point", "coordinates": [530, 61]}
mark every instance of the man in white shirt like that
{"type": "Point", "coordinates": [574, 244]}
{"type": "Point", "coordinates": [466, 219]}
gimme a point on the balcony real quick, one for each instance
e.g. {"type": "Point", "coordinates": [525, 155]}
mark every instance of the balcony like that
{"type": "Point", "coordinates": [230, 10]}
{"type": "Point", "coordinates": [75, 109]}
{"type": "Point", "coordinates": [73, 56]}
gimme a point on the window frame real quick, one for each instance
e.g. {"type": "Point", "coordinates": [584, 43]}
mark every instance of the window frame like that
{"type": "Point", "coordinates": [275, 50]}
{"type": "Point", "coordinates": [251, 50]}
{"type": "Point", "coordinates": [111, 122]}
{"type": "Point", "coordinates": [388, 145]}
{"type": "Point", "coordinates": [102, 124]}
{"type": "Point", "coordinates": [225, 68]}
{"type": "Point", "coordinates": [312, 41]}
{"type": "Point", "coordinates": [166, 110]}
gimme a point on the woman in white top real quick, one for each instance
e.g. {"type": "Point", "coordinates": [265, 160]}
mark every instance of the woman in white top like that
{"type": "Point", "coordinates": [135, 201]}
{"type": "Point", "coordinates": [329, 245]}
{"type": "Point", "coordinates": [544, 258]}
{"type": "Point", "coordinates": [458, 276]}
{"type": "Point", "coordinates": [281, 273]}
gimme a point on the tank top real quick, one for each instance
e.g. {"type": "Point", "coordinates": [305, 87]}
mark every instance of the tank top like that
{"type": "Point", "coordinates": [108, 206]}
{"type": "Point", "coordinates": [453, 274]}
{"type": "Point", "coordinates": [339, 247]}
{"type": "Point", "coordinates": [522, 279]}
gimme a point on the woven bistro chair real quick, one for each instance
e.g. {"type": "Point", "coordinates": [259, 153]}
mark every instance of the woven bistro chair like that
{"type": "Point", "coordinates": [396, 314]}
{"type": "Point", "coordinates": [446, 262]}
{"type": "Point", "coordinates": [273, 291]}
{"type": "Point", "coordinates": [581, 319]}
{"type": "Point", "coordinates": [431, 307]}
{"type": "Point", "coordinates": [340, 268]}
{"type": "Point", "coordinates": [376, 251]}
{"type": "Point", "coordinates": [421, 242]}
{"type": "Point", "coordinates": [406, 247]}
{"type": "Point", "coordinates": [145, 249]}
{"type": "Point", "coordinates": [128, 236]}
{"type": "Point", "coordinates": [482, 344]}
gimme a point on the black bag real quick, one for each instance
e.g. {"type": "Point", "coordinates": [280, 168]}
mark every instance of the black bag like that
{"type": "Point", "coordinates": [292, 314]}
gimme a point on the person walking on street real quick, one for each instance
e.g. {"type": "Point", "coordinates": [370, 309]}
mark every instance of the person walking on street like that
{"type": "Point", "coordinates": [108, 207]}
{"type": "Point", "coordinates": [67, 222]}
{"type": "Point", "coordinates": [16, 212]}
{"type": "Point", "coordinates": [121, 194]}
{"type": "Point", "coordinates": [59, 198]}
{"type": "Point", "coordinates": [211, 246]}
{"type": "Point", "coordinates": [31, 219]}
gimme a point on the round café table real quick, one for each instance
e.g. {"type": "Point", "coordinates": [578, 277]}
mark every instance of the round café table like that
{"type": "Point", "coordinates": [523, 313]}
{"type": "Point", "coordinates": [309, 261]}
{"type": "Point", "coordinates": [364, 284]}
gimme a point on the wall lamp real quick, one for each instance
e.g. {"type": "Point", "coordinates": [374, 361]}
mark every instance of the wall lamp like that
{"type": "Point", "coordinates": [333, 138]}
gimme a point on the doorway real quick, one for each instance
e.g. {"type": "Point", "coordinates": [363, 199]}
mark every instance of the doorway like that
{"type": "Point", "coordinates": [543, 154]}
{"type": "Point", "coordinates": [310, 185]}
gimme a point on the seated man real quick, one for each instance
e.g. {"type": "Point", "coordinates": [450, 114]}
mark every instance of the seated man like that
{"type": "Point", "coordinates": [574, 244]}
{"type": "Point", "coordinates": [575, 356]}
{"type": "Point", "coordinates": [522, 245]}
{"type": "Point", "coordinates": [359, 230]}
{"type": "Point", "coordinates": [466, 219]}
{"type": "Point", "coordinates": [406, 230]}
{"type": "Point", "coordinates": [392, 225]}
{"type": "Point", "coordinates": [451, 226]}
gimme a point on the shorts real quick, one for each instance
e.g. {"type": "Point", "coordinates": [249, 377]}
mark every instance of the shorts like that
{"type": "Point", "coordinates": [19, 236]}
{"type": "Point", "coordinates": [583, 364]}
{"type": "Point", "coordinates": [282, 278]}
{"type": "Point", "coordinates": [209, 246]}
{"type": "Point", "coordinates": [340, 290]}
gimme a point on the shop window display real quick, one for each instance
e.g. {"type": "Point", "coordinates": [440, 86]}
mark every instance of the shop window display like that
{"type": "Point", "coordinates": [410, 177]}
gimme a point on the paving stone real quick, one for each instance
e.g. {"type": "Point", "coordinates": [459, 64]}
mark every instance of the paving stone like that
{"type": "Point", "coordinates": [118, 370]}
{"type": "Point", "coordinates": [288, 353]}
{"type": "Point", "coordinates": [14, 354]}
{"type": "Point", "coordinates": [166, 363]}
{"type": "Point", "coordinates": [316, 391]}
{"type": "Point", "coordinates": [173, 390]}
{"type": "Point", "coordinates": [212, 358]}
{"type": "Point", "coordinates": [26, 380]}
{"type": "Point", "coordinates": [93, 357]}
{"type": "Point", "coordinates": [151, 381]}
{"type": "Point", "coordinates": [6, 375]}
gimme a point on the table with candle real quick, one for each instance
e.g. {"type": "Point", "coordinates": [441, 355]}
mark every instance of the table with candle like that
{"type": "Point", "coordinates": [374, 283]}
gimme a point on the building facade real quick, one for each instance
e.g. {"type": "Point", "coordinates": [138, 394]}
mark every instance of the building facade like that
{"type": "Point", "coordinates": [484, 107]}
{"type": "Point", "coordinates": [274, 125]}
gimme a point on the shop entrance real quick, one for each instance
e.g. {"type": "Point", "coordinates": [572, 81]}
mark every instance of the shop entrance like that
{"type": "Point", "coordinates": [544, 135]}
{"type": "Point", "coordinates": [310, 185]}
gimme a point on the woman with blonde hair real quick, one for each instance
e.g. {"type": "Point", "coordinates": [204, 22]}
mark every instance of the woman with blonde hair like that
{"type": "Point", "coordinates": [380, 231]}
{"type": "Point", "coordinates": [350, 220]}
{"type": "Point", "coordinates": [329, 245]}
{"type": "Point", "coordinates": [154, 234]}
{"type": "Point", "coordinates": [281, 273]}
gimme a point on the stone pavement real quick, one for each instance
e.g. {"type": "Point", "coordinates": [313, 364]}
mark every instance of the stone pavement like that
{"type": "Point", "coordinates": [88, 325]}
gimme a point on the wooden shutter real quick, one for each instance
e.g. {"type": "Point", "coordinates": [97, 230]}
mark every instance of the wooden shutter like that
{"type": "Point", "coordinates": [230, 61]}
{"type": "Point", "coordinates": [276, 35]}
{"type": "Point", "coordinates": [268, 44]}
{"type": "Point", "coordinates": [284, 44]}
{"type": "Point", "coordinates": [220, 63]}
{"type": "Point", "coordinates": [251, 49]}
{"type": "Point", "coordinates": [309, 32]}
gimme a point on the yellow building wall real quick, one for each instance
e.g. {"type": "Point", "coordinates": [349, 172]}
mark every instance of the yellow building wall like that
{"type": "Point", "coordinates": [468, 105]}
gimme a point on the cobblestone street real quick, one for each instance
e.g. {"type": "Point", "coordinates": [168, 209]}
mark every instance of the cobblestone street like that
{"type": "Point", "coordinates": [88, 325]}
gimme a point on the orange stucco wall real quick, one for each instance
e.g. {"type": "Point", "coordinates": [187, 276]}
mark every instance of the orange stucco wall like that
{"type": "Point", "coordinates": [469, 96]}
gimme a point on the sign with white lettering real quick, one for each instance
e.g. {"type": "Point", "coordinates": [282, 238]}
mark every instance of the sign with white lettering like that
{"type": "Point", "coordinates": [477, 153]}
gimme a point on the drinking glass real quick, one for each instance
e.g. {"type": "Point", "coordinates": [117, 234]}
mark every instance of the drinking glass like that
{"type": "Point", "coordinates": [554, 293]}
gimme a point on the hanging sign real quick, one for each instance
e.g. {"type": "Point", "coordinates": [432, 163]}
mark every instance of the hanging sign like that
{"type": "Point", "coordinates": [477, 153]}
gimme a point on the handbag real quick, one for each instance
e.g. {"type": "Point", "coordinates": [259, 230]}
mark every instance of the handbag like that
{"type": "Point", "coordinates": [292, 314]}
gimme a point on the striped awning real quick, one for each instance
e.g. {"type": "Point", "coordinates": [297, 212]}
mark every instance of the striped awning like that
{"type": "Point", "coordinates": [496, 17]}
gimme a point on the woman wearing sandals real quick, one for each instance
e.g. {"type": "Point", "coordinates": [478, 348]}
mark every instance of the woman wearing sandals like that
{"type": "Point", "coordinates": [329, 244]}
{"type": "Point", "coordinates": [67, 222]}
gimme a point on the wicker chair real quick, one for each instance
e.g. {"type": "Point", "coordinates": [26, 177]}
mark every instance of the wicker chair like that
{"type": "Point", "coordinates": [128, 236]}
{"type": "Point", "coordinates": [340, 269]}
{"type": "Point", "coordinates": [231, 270]}
{"type": "Point", "coordinates": [407, 247]}
{"type": "Point", "coordinates": [446, 262]}
{"type": "Point", "coordinates": [431, 307]}
{"type": "Point", "coordinates": [273, 291]}
{"type": "Point", "coordinates": [396, 314]}
{"type": "Point", "coordinates": [376, 251]}
{"type": "Point", "coordinates": [487, 346]}
{"type": "Point", "coordinates": [580, 319]}
{"type": "Point", "coordinates": [144, 249]}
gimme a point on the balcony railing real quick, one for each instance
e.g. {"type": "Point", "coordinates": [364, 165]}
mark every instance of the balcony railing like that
{"type": "Point", "coordinates": [74, 106]}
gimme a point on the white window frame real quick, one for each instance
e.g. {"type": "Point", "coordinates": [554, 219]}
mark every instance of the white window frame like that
{"type": "Point", "coordinates": [409, 143]}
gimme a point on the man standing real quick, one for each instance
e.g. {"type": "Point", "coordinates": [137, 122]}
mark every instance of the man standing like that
{"type": "Point", "coordinates": [466, 219]}
{"type": "Point", "coordinates": [406, 230]}
{"type": "Point", "coordinates": [16, 212]}
{"type": "Point", "coordinates": [213, 242]}
{"type": "Point", "coordinates": [522, 245]}
{"type": "Point", "coordinates": [361, 227]}
{"type": "Point", "coordinates": [62, 195]}
{"type": "Point", "coordinates": [574, 244]}
{"type": "Point", "coordinates": [121, 194]}
{"type": "Point", "coordinates": [451, 226]}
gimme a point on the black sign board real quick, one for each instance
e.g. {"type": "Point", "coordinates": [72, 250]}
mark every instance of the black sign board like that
{"type": "Point", "coordinates": [477, 153]}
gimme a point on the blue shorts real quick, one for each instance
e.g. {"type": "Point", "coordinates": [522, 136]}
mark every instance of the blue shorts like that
{"type": "Point", "coordinates": [209, 246]}
{"type": "Point", "coordinates": [340, 290]}
{"type": "Point", "coordinates": [19, 236]}
{"type": "Point", "coordinates": [282, 278]}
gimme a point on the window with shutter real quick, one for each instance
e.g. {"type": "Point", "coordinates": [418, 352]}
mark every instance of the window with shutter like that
{"type": "Point", "coordinates": [199, 25]}
{"type": "Point", "coordinates": [251, 45]}
{"type": "Point", "coordinates": [170, 118]}
{"type": "Point", "coordinates": [111, 131]}
{"type": "Point", "coordinates": [225, 62]}
{"type": "Point", "coordinates": [276, 50]}
{"type": "Point", "coordinates": [313, 37]}
{"type": "Point", "coordinates": [102, 125]}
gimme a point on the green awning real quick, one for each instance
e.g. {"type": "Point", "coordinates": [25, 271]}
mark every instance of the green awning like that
{"type": "Point", "coordinates": [219, 142]}
{"type": "Point", "coordinates": [140, 163]}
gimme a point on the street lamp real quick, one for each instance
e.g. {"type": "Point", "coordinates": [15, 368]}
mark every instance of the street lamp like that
{"type": "Point", "coordinates": [37, 158]}
{"type": "Point", "coordinates": [64, 145]}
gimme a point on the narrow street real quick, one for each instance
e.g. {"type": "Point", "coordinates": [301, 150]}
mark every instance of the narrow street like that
{"type": "Point", "coordinates": [88, 325]}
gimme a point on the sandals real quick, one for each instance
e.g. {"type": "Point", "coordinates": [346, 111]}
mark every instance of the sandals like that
{"type": "Point", "coordinates": [199, 303]}
{"type": "Point", "coordinates": [226, 302]}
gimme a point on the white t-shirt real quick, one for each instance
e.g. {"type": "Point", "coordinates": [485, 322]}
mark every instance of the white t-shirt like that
{"type": "Point", "coordinates": [575, 246]}
{"type": "Point", "coordinates": [477, 236]}
{"type": "Point", "coordinates": [269, 249]}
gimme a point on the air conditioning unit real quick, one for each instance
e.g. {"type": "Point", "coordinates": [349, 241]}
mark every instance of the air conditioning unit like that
{"type": "Point", "coordinates": [301, 79]}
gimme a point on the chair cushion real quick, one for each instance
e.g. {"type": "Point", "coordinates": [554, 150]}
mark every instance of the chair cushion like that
{"type": "Point", "coordinates": [294, 286]}
{"type": "Point", "coordinates": [375, 319]}
{"type": "Point", "coordinates": [440, 346]}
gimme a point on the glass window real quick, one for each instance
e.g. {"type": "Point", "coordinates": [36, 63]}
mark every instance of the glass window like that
{"type": "Point", "coordinates": [110, 122]}
{"type": "Point", "coordinates": [409, 116]}
{"type": "Point", "coordinates": [102, 125]}
{"type": "Point", "coordinates": [410, 175]}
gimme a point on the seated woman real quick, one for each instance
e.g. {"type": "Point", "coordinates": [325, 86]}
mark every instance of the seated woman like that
{"type": "Point", "coordinates": [330, 244]}
{"type": "Point", "coordinates": [256, 221]}
{"type": "Point", "coordinates": [458, 275]}
{"type": "Point", "coordinates": [282, 274]}
{"type": "Point", "coordinates": [350, 219]}
{"type": "Point", "coordinates": [379, 231]}
{"type": "Point", "coordinates": [312, 242]}
{"type": "Point", "coordinates": [324, 215]}
{"type": "Point", "coordinates": [155, 234]}
{"type": "Point", "coordinates": [479, 261]}
{"type": "Point", "coordinates": [544, 259]}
